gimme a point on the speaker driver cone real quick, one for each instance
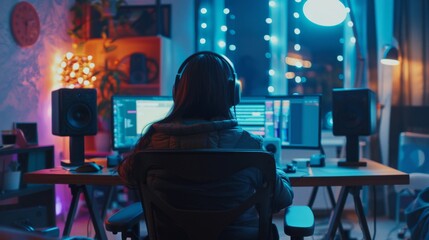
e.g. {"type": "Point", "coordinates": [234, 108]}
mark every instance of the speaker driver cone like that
{"type": "Point", "coordinates": [79, 116]}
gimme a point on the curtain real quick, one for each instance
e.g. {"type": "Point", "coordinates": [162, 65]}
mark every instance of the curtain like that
{"type": "Point", "coordinates": [410, 89]}
{"type": "Point", "coordinates": [410, 86]}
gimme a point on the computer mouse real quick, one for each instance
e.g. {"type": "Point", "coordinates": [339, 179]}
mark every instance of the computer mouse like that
{"type": "Point", "coordinates": [89, 167]}
{"type": "Point", "coordinates": [290, 168]}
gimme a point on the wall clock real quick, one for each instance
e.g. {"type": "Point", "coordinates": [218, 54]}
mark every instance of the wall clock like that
{"type": "Point", "coordinates": [25, 24]}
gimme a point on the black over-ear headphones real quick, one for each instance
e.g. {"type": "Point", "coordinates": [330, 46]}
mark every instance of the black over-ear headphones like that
{"type": "Point", "coordinates": [234, 86]}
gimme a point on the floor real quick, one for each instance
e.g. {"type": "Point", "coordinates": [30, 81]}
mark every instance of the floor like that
{"type": "Point", "coordinates": [386, 229]}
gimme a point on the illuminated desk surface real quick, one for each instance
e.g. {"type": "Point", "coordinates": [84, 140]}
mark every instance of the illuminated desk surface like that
{"type": "Point", "coordinates": [350, 179]}
{"type": "Point", "coordinates": [330, 175]}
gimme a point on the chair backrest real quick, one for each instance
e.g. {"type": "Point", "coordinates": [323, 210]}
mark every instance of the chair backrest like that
{"type": "Point", "coordinates": [202, 167]}
{"type": "Point", "coordinates": [413, 155]}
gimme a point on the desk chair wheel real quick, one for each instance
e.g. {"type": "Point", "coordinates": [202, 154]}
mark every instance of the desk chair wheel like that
{"type": "Point", "coordinates": [298, 222]}
{"type": "Point", "coordinates": [126, 221]}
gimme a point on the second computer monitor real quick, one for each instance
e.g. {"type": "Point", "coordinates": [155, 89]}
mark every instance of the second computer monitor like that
{"type": "Point", "coordinates": [131, 115]}
{"type": "Point", "coordinates": [295, 119]}
{"type": "Point", "coordinates": [250, 114]}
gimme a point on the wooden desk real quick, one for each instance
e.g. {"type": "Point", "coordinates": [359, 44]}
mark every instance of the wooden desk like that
{"type": "Point", "coordinates": [332, 175]}
{"type": "Point", "coordinates": [350, 179]}
{"type": "Point", "coordinates": [79, 183]}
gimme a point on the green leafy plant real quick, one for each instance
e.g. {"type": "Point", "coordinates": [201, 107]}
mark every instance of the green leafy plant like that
{"type": "Point", "coordinates": [108, 77]}
{"type": "Point", "coordinates": [108, 82]}
{"type": "Point", "coordinates": [91, 12]}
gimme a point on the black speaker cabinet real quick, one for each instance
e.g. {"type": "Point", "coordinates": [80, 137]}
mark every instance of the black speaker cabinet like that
{"type": "Point", "coordinates": [74, 112]}
{"type": "Point", "coordinates": [138, 69]}
{"type": "Point", "coordinates": [354, 112]}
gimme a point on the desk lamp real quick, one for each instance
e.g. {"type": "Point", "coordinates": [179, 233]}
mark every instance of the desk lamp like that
{"type": "Point", "coordinates": [390, 56]}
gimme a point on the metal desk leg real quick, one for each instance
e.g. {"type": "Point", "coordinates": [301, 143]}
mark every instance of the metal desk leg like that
{"type": "Point", "coordinates": [75, 190]}
{"type": "Point", "coordinates": [332, 199]}
{"type": "Point", "coordinates": [98, 226]}
{"type": "Point", "coordinates": [336, 215]}
{"type": "Point", "coordinates": [340, 225]}
{"type": "Point", "coordinates": [112, 190]}
{"type": "Point", "coordinates": [313, 196]}
{"type": "Point", "coordinates": [360, 213]}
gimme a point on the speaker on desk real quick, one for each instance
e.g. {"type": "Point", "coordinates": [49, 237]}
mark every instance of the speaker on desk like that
{"type": "Point", "coordinates": [74, 114]}
{"type": "Point", "coordinates": [138, 69]}
{"type": "Point", "coordinates": [273, 145]}
{"type": "Point", "coordinates": [353, 114]}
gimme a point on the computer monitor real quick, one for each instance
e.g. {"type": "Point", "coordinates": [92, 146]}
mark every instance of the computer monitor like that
{"type": "Point", "coordinates": [131, 115]}
{"type": "Point", "coordinates": [295, 119]}
{"type": "Point", "coordinates": [250, 114]}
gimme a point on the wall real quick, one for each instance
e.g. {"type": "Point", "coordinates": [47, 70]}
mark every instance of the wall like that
{"type": "Point", "coordinates": [26, 73]}
{"type": "Point", "coordinates": [26, 81]}
{"type": "Point", "coordinates": [26, 78]}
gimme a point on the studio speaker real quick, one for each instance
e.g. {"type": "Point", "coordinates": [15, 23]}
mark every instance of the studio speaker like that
{"type": "Point", "coordinates": [74, 112]}
{"type": "Point", "coordinates": [353, 112]}
{"type": "Point", "coordinates": [273, 145]}
{"type": "Point", "coordinates": [138, 69]}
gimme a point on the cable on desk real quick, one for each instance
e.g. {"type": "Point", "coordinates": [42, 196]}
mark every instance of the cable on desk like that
{"type": "Point", "coordinates": [322, 151]}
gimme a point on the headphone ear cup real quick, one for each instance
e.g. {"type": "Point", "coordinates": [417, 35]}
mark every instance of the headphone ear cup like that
{"type": "Point", "coordinates": [174, 85]}
{"type": "Point", "coordinates": [234, 92]}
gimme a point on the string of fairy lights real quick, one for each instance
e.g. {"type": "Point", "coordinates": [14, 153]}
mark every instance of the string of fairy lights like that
{"type": "Point", "coordinates": [214, 33]}
{"type": "Point", "coordinates": [208, 30]}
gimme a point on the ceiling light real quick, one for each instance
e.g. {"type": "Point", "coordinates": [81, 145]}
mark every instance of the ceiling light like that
{"type": "Point", "coordinates": [325, 12]}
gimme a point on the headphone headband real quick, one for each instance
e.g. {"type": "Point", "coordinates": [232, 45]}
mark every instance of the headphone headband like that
{"type": "Point", "coordinates": [234, 86]}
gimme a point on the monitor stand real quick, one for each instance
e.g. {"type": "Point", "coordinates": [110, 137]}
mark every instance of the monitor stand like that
{"type": "Point", "coordinates": [352, 153]}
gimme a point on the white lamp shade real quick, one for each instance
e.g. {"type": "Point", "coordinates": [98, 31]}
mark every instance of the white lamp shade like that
{"type": "Point", "coordinates": [325, 12]}
{"type": "Point", "coordinates": [390, 56]}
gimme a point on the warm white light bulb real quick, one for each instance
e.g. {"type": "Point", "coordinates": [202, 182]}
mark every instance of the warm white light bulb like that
{"type": "Point", "coordinates": [75, 66]}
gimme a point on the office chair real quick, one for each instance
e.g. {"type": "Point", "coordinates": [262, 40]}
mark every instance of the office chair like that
{"type": "Point", "coordinates": [413, 159]}
{"type": "Point", "coordinates": [203, 166]}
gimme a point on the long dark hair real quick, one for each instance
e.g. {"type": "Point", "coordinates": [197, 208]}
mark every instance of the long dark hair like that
{"type": "Point", "coordinates": [201, 92]}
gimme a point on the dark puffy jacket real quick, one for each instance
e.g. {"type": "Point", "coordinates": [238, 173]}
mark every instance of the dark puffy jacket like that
{"type": "Point", "coordinates": [212, 134]}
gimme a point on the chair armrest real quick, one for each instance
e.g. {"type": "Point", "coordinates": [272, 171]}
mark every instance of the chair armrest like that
{"type": "Point", "coordinates": [125, 218]}
{"type": "Point", "coordinates": [299, 221]}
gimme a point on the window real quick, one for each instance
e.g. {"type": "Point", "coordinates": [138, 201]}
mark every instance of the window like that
{"type": "Point", "coordinates": [310, 56]}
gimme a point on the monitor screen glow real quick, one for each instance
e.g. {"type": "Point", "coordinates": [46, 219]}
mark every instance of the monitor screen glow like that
{"type": "Point", "coordinates": [295, 119]}
{"type": "Point", "coordinates": [131, 115]}
{"type": "Point", "coordinates": [250, 114]}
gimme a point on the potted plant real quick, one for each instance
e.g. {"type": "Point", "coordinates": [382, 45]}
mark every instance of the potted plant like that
{"type": "Point", "coordinates": [12, 176]}
{"type": "Point", "coordinates": [109, 78]}
{"type": "Point", "coordinates": [85, 15]}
